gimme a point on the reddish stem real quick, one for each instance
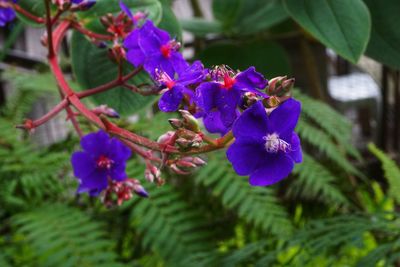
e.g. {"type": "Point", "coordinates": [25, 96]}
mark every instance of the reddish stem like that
{"type": "Point", "coordinates": [27, 14]}
{"type": "Point", "coordinates": [91, 34]}
{"type": "Point", "coordinates": [49, 29]}
{"type": "Point", "coordinates": [51, 114]}
{"type": "Point", "coordinates": [109, 85]}
{"type": "Point", "coordinates": [141, 152]}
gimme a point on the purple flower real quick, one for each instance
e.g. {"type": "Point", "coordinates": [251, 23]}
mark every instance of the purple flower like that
{"type": "Point", "coordinates": [102, 159]}
{"type": "Point", "coordinates": [266, 146]}
{"type": "Point", "coordinates": [7, 14]}
{"type": "Point", "coordinates": [176, 86]}
{"type": "Point", "coordinates": [154, 49]}
{"type": "Point", "coordinates": [219, 99]}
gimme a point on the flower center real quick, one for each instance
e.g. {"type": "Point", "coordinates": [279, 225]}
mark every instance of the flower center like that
{"type": "Point", "coordinates": [104, 163]}
{"type": "Point", "coordinates": [228, 81]}
{"type": "Point", "coordinates": [163, 78]}
{"type": "Point", "coordinates": [167, 48]}
{"type": "Point", "coordinates": [274, 144]}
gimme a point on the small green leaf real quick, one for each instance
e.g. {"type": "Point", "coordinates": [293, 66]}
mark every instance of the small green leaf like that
{"type": "Point", "coordinates": [384, 44]}
{"type": "Point", "coordinates": [269, 58]}
{"type": "Point", "coordinates": [92, 68]}
{"type": "Point", "coordinates": [341, 25]}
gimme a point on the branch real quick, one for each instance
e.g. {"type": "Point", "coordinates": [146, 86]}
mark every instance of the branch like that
{"type": "Point", "coordinates": [27, 14]}
{"type": "Point", "coordinates": [91, 34]}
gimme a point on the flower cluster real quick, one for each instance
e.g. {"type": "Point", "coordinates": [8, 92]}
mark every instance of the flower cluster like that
{"type": "Point", "coordinates": [254, 117]}
{"type": "Point", "coordinates": [265, 146]}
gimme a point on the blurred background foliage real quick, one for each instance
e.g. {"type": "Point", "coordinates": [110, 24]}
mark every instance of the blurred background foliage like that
{"type": "Point", "coordinates": [335, 209]}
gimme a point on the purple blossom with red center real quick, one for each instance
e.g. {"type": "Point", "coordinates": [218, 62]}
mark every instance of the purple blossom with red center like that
{"type": "Point", "coordinates": [103, 159]}
{"type": "Point", "coordinates": [177, 86]}
{"type": "Point", "coordinates": [219, 99]}
{"type": "Point", "coordinates": [154, 49]}
{"type": "Point", "coordinates": [7, 14]}
{"type": "Point", "coordinates": [266, 146]}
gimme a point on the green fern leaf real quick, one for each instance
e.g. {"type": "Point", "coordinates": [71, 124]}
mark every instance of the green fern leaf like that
{"type": "Point", "coordinates": [391, 171]}
{"type": "Point", "coordinates": [315, 182]}
{"type": "Point", "coordinates": [65, 236]}
{"type": "Point", "coordinates": [256, 205]}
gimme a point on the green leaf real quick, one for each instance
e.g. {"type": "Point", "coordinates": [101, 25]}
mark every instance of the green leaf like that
{"type": "Point", "coordinates": [384, 44]}
{"type": "Point", "coordinates": [241, 17]}
{"type": "Point", "coordinates": [201, 27]}
{"type": "Point", "coordinates": [92, 68]}
{"type": "Point", "coordinates": [269, 58]}
{"type": "Point", "coordinates": [169, 22]}
{"type": "Point", "coordinates": [341, 25]}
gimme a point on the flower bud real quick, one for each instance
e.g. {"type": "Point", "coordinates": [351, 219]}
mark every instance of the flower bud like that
{"type": "Point", "coordinates": [149, 176]}
{"type": "Point", "coordinates": [185, 164]}
{"type": "Point", "coordinates": [175, 123]}
{"type": "Point", "coordinates": [249, 98]}
{"type": "Point", "coordinates": [189, 121]}
{"type": "Point", "coordinates": [166, 138]}
{"type": "Point", "coordinates": [199, 161]}
{"type": "Point", "coordinates": [177, 170]}
{"type": "Point", "coordinates": [105, 110]}
{"type": "Point", "coordinates": [280, 86]}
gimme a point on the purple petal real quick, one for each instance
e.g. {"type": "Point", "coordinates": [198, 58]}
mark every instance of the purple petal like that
{"type": "Point", "coordinates": [253, 123]}
{"type": "Point", "coordinates": [125, 9]}
{"type": "Point", "coordinates": [151, 38]}
{"type": "Point", "coordinates": [96, 144]}
{"type": "Point", "coordinates": [135, 57]}
{"type": "Point", "coordinates": [83, 164]}
{"type": "Point", "coordinates": [132, 40]}
{"type": "Point", "coordinates": [251, 79]}
{"type": "Point", "coordinates": [118, 173]}
{"type": "Point", "coordinates": [94, 183]}
{"type": "Point", "coordinates": [227, 103]}
{"type": "Point", "coordinates": [212, 122]}
{"type": "Point", "coordinates": [206, 95]}
{"type": "Point", "coordinates": [273, 169]}
{"type": "Point", "coordinates": [118, 151]}
{"type": "Point", "coordinates": [171, 99]}
{"type": "Point", "coordinates": [245, 155]}
{"type": "Point", "coordinates": [295, 152]}
{"type": "Point", "coordinates": [284, 118]}
{"type": "Point", "coordinates": [192, 74]}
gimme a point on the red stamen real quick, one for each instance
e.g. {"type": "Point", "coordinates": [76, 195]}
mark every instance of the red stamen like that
{"type": "Point", "coordinates": [166, 50]}
{"type": "Point", "coordinates": [228, 82]}
{"type": "Point", "coordinates": [104, 163]}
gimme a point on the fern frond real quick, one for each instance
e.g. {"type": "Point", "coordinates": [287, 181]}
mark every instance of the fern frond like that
{"type": "Point", "coordinates": [315, 182]}
{"type": "Point", "coordinates": [324, 143]}
{"type": "Point", "coordinates": [28, 176]}
{"type": "Point", "coordinates": [331, 122]}
{"type": "Point", "coordinates": [322, 237]}
{"type": "Point", "coordinates": [391, 171]}
{"type": "Point", "coordinates": [170, 226]}
{"type": "Point", "coordinates": [255, 205]}
{"type": "Point", "coordinates": [64, 236]}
